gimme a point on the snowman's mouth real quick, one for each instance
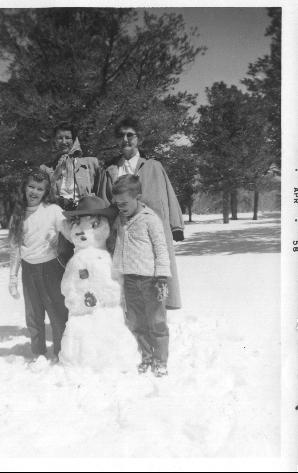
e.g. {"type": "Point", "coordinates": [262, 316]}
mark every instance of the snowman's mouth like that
{"type": "Point", "coordinates": [83, 238]}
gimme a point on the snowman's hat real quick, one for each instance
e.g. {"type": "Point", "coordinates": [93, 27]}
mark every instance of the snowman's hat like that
{"type": "Point", "coordinates": [92, 205]}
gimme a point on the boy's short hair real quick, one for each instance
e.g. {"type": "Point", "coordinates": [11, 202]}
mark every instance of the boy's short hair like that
{"type": "Point", "coordinates": [127, 183]}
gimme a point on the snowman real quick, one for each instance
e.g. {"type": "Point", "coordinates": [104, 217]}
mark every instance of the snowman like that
{"type": "Point", "coordinates": [95, 335]}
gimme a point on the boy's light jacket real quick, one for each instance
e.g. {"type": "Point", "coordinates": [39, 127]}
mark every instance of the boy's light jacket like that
{"type": "Point", "coordinates": [159, 195]}
{"type": "Point", "coordinates": [141, 246]}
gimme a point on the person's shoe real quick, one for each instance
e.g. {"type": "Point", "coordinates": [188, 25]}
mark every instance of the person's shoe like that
{"type": "Point", "coordinates": [39, 364]}
{"type": "Point", "coordinates": [159, 370]}
{"type": "Point", "coordinates": [54, 359]}
{"type": "Point", "coordinates": [35, 357]}
{"type": "Point", "coordinates": [144, 366]}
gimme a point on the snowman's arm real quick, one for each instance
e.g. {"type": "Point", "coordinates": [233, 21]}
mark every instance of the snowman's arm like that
{"type": "Point", "coordinates": [109, 294]}
{"type": "Point", "coordinates": [65, 227]}
{"type": "Point", "coordinates": [108, 290]}
{"type": "Point", "coordinates": [62, 224]}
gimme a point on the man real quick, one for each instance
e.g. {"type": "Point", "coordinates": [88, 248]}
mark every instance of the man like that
{"type": "Point", "coordinates": [157, 192]}
{"type": "Point", "coordinates": [72, 176]}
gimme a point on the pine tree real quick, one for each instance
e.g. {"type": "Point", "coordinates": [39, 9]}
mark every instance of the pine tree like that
{"type": "Point", "coordinates": [181, 165]}
{"type": "Point", "coordinates": [233, 144]}
{"type": "Point", "coordinates": [264, 82]}
{"type": "Point", "coordinates": [89, 66]}
{"type": "Point", "coordinates": [219, 142]}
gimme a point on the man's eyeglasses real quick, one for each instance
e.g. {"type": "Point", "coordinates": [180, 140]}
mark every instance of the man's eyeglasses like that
{"type": "Point", "coordinates": [129, 135]}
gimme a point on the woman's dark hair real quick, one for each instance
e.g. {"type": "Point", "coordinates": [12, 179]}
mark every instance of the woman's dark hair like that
{"type": "Point", "coordinates": [66, 126]}
{"type": "Point", "coordinates": [127, 122]}
{"type": "Point", "coordinates": [16, 224]}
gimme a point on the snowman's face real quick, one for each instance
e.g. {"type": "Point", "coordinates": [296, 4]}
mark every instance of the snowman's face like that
{"type": "Point", "coordinates": [90, 231]}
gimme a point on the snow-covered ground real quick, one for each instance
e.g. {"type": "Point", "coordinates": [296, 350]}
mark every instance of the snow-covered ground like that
{"type": "Point", "coordinates": [222, 395]}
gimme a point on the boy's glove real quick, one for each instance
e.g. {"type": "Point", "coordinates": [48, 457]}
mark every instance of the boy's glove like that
{"type": "Point", "coordinates": [178, 235]}
{"type": "Point", "coordinates": [162, 288]}
{"type": "Point", "coordinates": [13, 287]}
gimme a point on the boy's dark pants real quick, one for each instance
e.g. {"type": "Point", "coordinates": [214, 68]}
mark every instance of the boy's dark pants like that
{"type": "Point", "coordinates": [42, 292]}
{"type": "Point", "coordinates": [146, 317]}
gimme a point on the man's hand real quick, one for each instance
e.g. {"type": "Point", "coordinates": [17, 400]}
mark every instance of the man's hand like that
{"type": "Point", "coordinates": [178, 235]}
{"type": "Point", "coordinates": [66, 204]}
{"type": "Point", "coordinates": [161, 285]}
{"type": "Point", "coordinates": [60, 201]}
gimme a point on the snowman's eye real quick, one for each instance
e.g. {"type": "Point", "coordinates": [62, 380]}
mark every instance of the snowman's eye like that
{"type": "Point", "coordinates": [75, 220]}
{"type": "Point", "coordinates": [95, 224]}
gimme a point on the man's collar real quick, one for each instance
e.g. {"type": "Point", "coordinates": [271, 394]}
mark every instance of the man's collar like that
{"type": "Point", "coordinates": [119, 162]}
{"type": "Point", "coordinates": [135, 156]}
{"type": "Point", "coordinates": [122, 159]}
{"type": "Point", "coordinates": [144, 210]}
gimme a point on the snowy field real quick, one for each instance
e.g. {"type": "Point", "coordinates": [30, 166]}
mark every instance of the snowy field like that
{"type": "Point", "coordinates": [222, 395]}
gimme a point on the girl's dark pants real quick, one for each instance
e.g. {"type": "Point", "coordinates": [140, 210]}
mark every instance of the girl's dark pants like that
{"type": "Point", "coordinates": [42, 292]}
{"type": "Point", "coordinates": [146, 317]}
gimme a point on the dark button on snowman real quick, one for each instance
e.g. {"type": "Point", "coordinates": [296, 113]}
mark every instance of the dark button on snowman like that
{"type": "Point", "coordinates": [95, 334]}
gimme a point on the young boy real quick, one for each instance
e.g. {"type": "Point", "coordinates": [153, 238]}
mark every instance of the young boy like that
{"type": "Point", "coordinates": [141, 256]}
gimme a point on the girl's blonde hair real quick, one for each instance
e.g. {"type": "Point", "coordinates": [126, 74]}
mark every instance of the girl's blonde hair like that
{"type": "Point", "coordinates": [16, 223]}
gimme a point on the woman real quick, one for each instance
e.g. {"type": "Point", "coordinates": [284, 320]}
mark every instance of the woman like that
{"type": "Point", "coordinates": [157, 192]}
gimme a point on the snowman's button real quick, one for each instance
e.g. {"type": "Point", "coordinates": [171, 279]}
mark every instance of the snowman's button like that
{"type": "Point", "coordinates": [84, 274]}
{"type": "Point", "coordinates": [90, 299]}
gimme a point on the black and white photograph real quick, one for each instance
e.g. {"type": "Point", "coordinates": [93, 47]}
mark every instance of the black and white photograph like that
{"type": "Point", "coordinates": [140, 234]}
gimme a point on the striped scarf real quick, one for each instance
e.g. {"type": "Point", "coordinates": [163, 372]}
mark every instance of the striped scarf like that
{"type": "Point", "coordinates": [66, 164]}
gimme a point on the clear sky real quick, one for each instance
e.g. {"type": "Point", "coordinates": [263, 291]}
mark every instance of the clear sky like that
{"type": "Point", "coordinates": [234, 38]}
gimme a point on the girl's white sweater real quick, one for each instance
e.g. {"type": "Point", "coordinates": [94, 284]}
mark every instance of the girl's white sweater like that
{"type": "Point", "coordinates": [40, 238]}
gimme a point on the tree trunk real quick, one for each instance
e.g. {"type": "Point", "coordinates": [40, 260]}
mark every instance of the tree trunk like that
{"type": "Point", "coordinates": [234, 204]}
{"type": "Point", "coordinates": [189, 213]}
{"type": "Point", "coordinates": [226, 206]}
{"type": "Point", "coordinates": [256, 204]}
{"type": "Point", "coordinates": [7, 211]}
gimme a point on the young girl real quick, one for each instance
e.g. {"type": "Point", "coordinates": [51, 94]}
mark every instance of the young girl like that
{"type": "Point", "coordinates": [33, 232]}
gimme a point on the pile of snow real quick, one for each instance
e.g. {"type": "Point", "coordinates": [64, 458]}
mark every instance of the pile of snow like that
{"type": "Point", "coordinates": [221, 397]}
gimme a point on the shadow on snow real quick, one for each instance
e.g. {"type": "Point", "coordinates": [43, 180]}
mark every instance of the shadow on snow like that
{"type": "Point", "coordinates": [267, 217]}
{"type": "Point", "coordinates": [249, 240]}
{"type": "Point", "coordinates": [4, 257]}
{"type": "Point", "coordinates": [12, 332]}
